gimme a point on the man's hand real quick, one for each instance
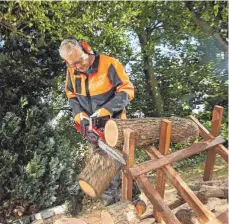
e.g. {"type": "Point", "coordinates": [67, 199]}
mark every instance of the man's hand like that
{"type": "Point", "coordinates": [80, 116]}
{"type": "Point", "coordinates": [101, 113]}
{"type": "Point", "coordinates": [83, 120]}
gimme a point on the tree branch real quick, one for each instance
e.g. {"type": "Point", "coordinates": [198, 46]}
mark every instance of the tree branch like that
{"type": "Point", "coordinates": [155, 26]}
{"type": "Point", "coordinates": [6, 26]}
{"type": "Point", "coordinates": [11, 29]}
{"type": "Point", "coordinates": [205, 27]}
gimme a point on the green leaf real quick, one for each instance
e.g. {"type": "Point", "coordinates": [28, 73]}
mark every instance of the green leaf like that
{"type": "Point", "coordinates": [216, 9]}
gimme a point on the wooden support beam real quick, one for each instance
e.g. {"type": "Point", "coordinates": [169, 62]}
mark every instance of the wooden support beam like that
{"type": "Point", "coordinates": [205, 134]}
{"type": "Point", "coordinates": [128, 149]}
{"type": "Point", "coordinates": [157, 201]}
{"type": "Point", "coordinates": [175, 156]}
{"type": "Point", "coordinates": [203, 214]}
{"type": "Point", "coordinates": [211, 154]}
{"type": "Point", "coordinates": [220, 219]}
{"type": "Point", "coordinates": [164, 143]}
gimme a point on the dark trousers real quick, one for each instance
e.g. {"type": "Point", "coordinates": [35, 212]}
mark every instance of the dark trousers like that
{"type": "Point", "coordinates": [112, 193]}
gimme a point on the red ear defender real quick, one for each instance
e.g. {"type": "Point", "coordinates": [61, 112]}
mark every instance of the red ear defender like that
{"type": "Point", "coordinates": [86, 47]}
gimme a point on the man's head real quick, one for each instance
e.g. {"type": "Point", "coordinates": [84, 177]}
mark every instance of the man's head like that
{"type": "Point", "coordinates": [73, 54]}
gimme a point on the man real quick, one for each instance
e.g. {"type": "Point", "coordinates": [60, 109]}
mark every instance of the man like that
{"type": "Point", "coordinates": [96, 85]}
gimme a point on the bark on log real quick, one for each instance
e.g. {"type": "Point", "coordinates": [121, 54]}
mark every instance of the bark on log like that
{"type": "Point", "coordinates": [187, 216]}
{"type": "Point", "coordinates": [205, 190]}
{"type": "Point", "coordinates": [147, 130]}
{"type": "Point", "coordinates": [214, 192]}
{"type": "Point", "coordinates": [98, 173]}
{"type": "Point", "coordinates": [123, 212]}
{"type": "Point", "coordinates": [196, 186]}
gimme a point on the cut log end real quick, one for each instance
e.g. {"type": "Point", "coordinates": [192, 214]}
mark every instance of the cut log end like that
{"type": "Point", "coordinates": [106, 218]}
{"type": "Point", "coordinates": [140, 207]}
{"type": "Point", "coordinates": [111, 133]}
{"type": "Point", "coordinates": [87, 189]}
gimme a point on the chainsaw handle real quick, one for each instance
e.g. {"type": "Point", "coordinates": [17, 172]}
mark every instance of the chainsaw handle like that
{"type": "Point", "coordinates": [83, 129]}
{"type": "Point", "coordinates": [92, 128]}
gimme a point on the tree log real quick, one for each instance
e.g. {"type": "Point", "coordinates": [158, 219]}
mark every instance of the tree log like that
{"type": "Point", "coordinates": [197, 185]}
{"type": "Point", "coordinates": [213, 192]}
{"type": "Point", "coordinates": [147, 130]}
{"type": "Point", "coordinates": [98, 173]}
{"type": "Point", "coordinates": [123, 212]}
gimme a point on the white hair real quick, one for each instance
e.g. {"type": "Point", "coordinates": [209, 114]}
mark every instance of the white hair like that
{"type": "Point", "coordinates": [67, 46]}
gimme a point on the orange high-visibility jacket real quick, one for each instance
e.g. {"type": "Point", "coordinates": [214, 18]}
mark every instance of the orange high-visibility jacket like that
{"type": "Point", "coordinates": [106, 86]}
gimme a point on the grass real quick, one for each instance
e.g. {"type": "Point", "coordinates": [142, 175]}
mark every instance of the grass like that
{"type": "Point", "coordinates": [196, 173]}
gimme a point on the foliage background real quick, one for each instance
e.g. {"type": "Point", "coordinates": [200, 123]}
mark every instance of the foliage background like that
{"type": "Point", "coordinates": [176, 56]}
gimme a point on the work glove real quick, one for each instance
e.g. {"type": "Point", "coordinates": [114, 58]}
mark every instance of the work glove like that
{"type": "Point", "coordinates": [80, 116]}
{"type": "Point", "coordinates": [102, 112]}
{"type": "Point", "coordinates": [83, 120]}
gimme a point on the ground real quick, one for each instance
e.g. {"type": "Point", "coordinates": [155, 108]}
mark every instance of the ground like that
{"type": "Point", "coordinates": [188, 174]}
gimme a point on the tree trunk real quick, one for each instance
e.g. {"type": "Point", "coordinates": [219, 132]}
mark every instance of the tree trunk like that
{"type": "Point", "coordinates": [98, 173]}
{"type": "Point", "coordinates": [147, 131]}
{"type": "Point", "coordinates": [149, 73]}
{"type": "Point", "coordinates": [123, 212]}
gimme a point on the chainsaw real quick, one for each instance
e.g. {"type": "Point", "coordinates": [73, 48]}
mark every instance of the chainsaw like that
{"type": "Point", "coordinates": [92, 129]}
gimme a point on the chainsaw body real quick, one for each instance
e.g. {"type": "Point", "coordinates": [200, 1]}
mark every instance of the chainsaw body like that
{"type": "Point", "coordinates": [92, 130]}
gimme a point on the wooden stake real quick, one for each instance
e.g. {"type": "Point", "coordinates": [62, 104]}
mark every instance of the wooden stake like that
{"type": "Point", "coordinates": [128, 149]}
{"type": "Point", "coordinates": [205, 134]}
{"type": "Point", "coordinates": [164, 143]}
{"type": "Point", "coordinates": [211, 154]}
{"type": "Point", "coordinates": [186, 193]}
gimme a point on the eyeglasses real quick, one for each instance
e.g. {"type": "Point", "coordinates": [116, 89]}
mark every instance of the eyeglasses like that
{"type": "Point", "coordinates": [77, 63]}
